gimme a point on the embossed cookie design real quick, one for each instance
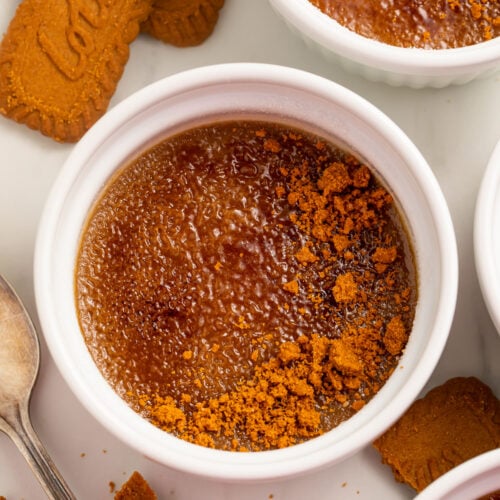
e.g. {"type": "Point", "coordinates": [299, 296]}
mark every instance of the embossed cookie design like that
{"type": "Point", "coordinates": [183, 23]}
{"type": "Point", "coordinates": [61, 60]}
{"type": "Point", "coordinates": [451, 424]}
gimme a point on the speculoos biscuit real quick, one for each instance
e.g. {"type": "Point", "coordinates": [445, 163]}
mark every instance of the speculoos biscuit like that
{"type": "Point", "coordinates": [453, 423]}
{"type": "Point", "coordinates": [182, 23]}
{"type": "Point", "coordinates": [61, 60]}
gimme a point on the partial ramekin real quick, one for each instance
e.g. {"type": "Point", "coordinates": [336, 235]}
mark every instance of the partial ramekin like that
{"type": "Point", "coordinates": [478, 477]}
{"type": "Point", "coordinates": [381, 62]}
{"type": "Point", "coordinates": [253, 91]}
{"type": "Point", "coordinates": [487, 236]}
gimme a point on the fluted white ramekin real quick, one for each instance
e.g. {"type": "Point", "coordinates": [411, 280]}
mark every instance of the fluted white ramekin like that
{"type": "Point", "coordinates": [381, 62]}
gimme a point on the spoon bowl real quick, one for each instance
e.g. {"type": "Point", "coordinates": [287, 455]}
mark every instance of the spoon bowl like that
{"type": "Point", "coordinates": [19, 365]}
{"type": "Point", "coordinates": [19, 352]}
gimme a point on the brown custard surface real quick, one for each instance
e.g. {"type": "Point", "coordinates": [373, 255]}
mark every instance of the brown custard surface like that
{"type": "Point", "coordinates": [245, 285]}
{"type": "Point", "coordinates": [428, 24]}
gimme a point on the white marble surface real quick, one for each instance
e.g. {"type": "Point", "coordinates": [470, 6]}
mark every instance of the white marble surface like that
{"type": "Point", "coordinates": [455, 128]}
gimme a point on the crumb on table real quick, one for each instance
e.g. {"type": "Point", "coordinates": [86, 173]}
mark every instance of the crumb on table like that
{"type": "Point", "coordinates": [135, 488]}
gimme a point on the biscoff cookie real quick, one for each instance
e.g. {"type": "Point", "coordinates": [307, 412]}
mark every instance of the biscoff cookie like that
{"type": "Point", "coordinates": [61, 60]}
{"type": "Point", "coordinates": [182, 23]}
{"type": "Point", "coordinates": [451, 424]}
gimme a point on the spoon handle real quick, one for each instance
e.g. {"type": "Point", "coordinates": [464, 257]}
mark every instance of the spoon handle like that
{"type": "Point", "coordinates": [18, 426]}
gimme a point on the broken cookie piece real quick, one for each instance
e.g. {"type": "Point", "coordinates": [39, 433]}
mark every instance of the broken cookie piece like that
{"type": "Point", "coordinates": [182, 23]}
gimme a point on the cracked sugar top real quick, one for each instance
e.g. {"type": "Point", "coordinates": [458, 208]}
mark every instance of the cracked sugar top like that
{"type": "Point", "coordinates": [428, 24]}
{"type": "Point", "coordinates": [245, 285]}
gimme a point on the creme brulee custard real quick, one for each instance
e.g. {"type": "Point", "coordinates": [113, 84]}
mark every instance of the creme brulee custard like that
{"type": "Point", "coordinates": [428, 24]}
{"type": "Point", "coordinates": [245, 285]}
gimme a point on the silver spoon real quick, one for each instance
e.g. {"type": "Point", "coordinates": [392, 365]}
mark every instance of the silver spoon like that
{"type": "Point", "coordinates": [19, 364]}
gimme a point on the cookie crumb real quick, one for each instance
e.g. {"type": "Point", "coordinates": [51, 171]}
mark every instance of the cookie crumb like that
{"type": "Point", "coordinates": [135, 488]}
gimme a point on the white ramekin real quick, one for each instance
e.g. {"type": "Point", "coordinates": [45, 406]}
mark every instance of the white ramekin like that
{"type": "Point", "coordinates": [381, 62]}
{"type": "Point", "coordinates": [475, 478]}
{"type": "Point", "coordinates": [237, 91]}
{"type": "Point", "coordinates": [487, 236]}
